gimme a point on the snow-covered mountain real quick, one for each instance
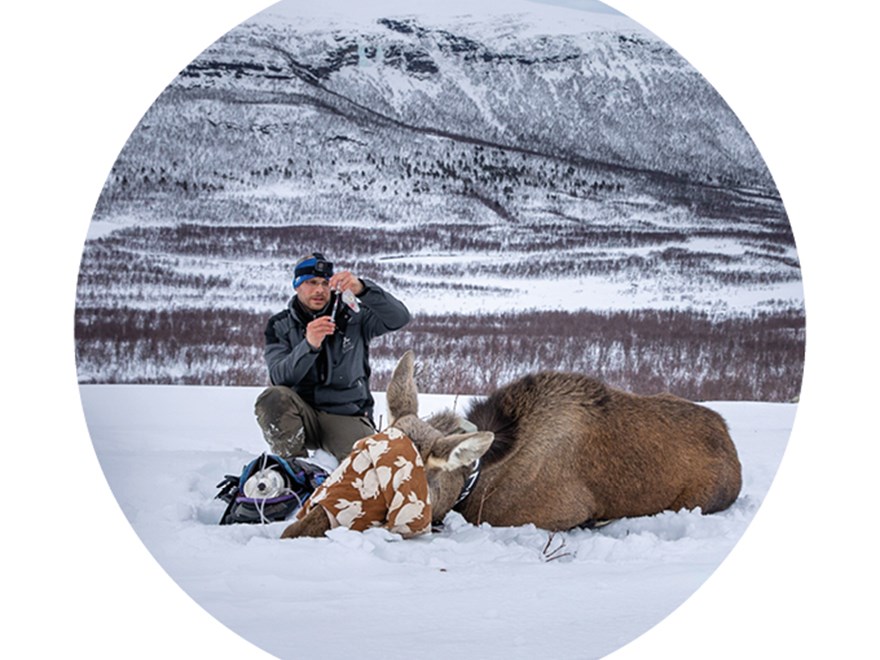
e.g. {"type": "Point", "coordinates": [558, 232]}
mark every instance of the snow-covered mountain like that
{"type": "Point", "coordinates": [594, 92]}
{"type": "Point", "coordinates": [489, 164]}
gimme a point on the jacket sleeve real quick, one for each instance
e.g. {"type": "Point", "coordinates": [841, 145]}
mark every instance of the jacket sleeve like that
{"type": "Point", "coordinates": [288, 364]}
{"type": "Point", "coordinates": [382, 311]}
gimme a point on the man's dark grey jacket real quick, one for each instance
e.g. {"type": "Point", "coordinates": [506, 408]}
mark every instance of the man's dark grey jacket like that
{"type": "Point", "coordinates": [335, 378]}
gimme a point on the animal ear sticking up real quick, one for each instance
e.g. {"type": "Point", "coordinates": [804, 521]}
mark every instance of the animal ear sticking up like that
{"type": "Point", "coordinates": [459, 450]}
{"type": "Point", "coordinates": [402, 394]}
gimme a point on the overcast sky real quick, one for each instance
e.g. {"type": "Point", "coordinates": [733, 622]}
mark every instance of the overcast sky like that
{"type": "Point", "coordinates": [587, 5]}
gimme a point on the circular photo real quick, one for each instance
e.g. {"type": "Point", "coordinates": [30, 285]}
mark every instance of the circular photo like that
{"type": "Point", "coordinates": [419, 327]}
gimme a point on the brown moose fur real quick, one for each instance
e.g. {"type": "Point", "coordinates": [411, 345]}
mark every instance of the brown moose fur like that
{"type": "Point", "coordinates": [570, 451]}
{"type": "Point", "coordinates": [314, 524]}
{"type": "Point", "coordinates": [561, 450]}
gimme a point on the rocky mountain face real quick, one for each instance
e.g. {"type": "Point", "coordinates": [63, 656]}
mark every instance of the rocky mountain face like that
{"type": "Point", "coordinates": [618, 100]}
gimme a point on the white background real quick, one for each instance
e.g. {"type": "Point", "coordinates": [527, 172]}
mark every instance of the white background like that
{"type": "Point", "coordinates": [78, 77]}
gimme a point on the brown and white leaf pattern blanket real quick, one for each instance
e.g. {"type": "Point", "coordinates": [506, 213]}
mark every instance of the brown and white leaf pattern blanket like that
{"type": "Point", "coordinates": [381, 482]}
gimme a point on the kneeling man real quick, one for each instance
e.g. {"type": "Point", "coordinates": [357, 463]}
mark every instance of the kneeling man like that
{"type": "Point", "coordinates": [317, 352]}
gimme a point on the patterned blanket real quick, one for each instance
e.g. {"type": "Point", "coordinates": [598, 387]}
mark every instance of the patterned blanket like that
{"type": "Point", "coordinates": [381, 483]}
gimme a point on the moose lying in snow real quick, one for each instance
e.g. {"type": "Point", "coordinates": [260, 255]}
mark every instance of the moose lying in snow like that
{"type": "Point", "coordinates": [562, 450]}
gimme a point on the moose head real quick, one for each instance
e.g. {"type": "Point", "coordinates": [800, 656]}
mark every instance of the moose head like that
{"type": "Point", "coordinates": [448, 453]}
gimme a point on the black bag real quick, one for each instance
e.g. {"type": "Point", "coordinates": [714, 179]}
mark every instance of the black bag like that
{"type": "Point", "coordinates": [269, 488]}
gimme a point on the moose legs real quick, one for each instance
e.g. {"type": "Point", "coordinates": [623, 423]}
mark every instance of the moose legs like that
{"type": "Point", "coordinates": [290, 426]}
{"type": "Point", "coordinates": [312, 525]}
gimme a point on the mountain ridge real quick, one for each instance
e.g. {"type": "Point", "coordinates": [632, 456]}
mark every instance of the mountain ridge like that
{"type": "Point", "coordinates": [701, 140]}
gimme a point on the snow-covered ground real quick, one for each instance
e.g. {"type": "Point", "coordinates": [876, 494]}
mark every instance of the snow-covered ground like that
{"type": "Point", "coordinates": [497, 592]}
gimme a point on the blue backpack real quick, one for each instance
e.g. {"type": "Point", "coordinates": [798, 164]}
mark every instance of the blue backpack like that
{"type": "Point", "coordinates": [269, 488]}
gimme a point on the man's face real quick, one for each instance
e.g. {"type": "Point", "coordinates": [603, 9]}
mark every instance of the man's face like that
{"type": "Point", "coordinates": [314, 293]}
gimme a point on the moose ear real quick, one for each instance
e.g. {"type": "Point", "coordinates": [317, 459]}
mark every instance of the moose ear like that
{"type": "Point", "coordinates": [402, 395]}
{"type": "Point", "coordinates": [463, 449]}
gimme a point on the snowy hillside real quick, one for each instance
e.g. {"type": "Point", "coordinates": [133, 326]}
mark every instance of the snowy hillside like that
{"type": "Point", "coordinates": [488, 165]}
{"type": "Point", "coordinates": [500, 593]}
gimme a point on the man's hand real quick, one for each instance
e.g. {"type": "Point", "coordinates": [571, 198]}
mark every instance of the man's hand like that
{"type": "Point", "coordinates": [318, 329]}
{"type": "Point", "coordinates": [346, 281]}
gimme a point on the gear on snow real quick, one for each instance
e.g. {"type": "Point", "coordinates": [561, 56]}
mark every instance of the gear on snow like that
{"type": "Point", "coordinates": [269, 488]}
